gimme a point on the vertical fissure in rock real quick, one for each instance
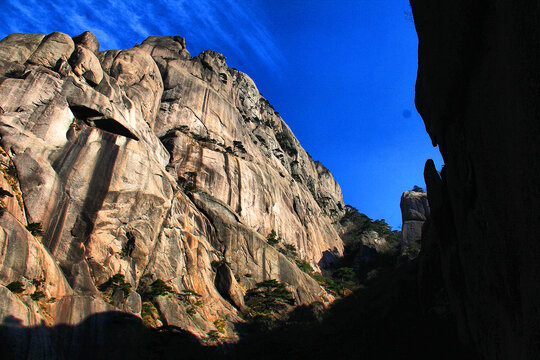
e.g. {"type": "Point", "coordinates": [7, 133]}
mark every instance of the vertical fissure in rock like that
{"type": "Point", "coordinates": [239, 205]}
{"type": "Point", "coordinates": [204, 106]}
{"type": "Point", "coordinates": [228, 176]}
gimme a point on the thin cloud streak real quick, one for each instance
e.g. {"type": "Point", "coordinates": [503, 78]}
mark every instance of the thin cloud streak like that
{"type": "Point", "coordinates": [226, 25]}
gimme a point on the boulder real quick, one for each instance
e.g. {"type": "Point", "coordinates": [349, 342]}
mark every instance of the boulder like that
{"type": "Point", "coordinates": [51, 49]}
{"type": "Point", "coordinates": [18, 47]}
{"type": "Point", "coordinates": [85, 63]}
{"type": "Point", "coordinates": [87, 40]}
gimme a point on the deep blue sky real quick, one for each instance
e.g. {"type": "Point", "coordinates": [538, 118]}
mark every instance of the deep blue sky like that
{"type": "Point", "coordinates": [340, 73]}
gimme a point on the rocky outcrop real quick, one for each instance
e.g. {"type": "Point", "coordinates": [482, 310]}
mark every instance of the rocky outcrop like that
{"type": "Point", "coordinates": [125, 167]}
{"type": "Point", "coordinates": [414, 212]}
{"type": "Point", "coordinates": [477, 92]}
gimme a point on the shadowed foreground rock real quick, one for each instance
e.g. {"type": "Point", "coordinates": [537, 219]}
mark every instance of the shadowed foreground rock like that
{"type": "Point", "coordinates": [382, 321]}
{"type": "Point", "coordinates": [477, 90]}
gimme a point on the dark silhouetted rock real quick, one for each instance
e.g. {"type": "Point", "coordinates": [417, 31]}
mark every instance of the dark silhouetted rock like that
{"type": "Point", "coordinates": [477, 90]}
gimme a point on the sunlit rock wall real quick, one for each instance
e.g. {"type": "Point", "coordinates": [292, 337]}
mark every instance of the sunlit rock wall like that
{"type": "Point", "coordinates": [151, 164]}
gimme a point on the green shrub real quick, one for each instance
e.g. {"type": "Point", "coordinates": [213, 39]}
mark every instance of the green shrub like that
{"type": "Point", "coordinates": [237, 145]}
{"type": "Point", "coordinates": [213, 335]}
{"type": "Point", "coordinates": [272, 238]}
{"type": "Point", "coordinates": [190, 187]}
{"type": "Point", "coordinates": [115, 282]}
{"type": "Point", "coordinates": [119, 281]}
{"type": "Point", "coordinates": [220, 325]}
{"type": "Point", "coordinates": [328, 283]}
{"type": "Point", "coordinates": [412, 249]}
{"type": "Point", "coordinates": [200, 138]}
{"type": "Point", "coordinates": [344, 274]}
{"type": "Point", "coordinates": [129, 245]}
{"type": "Point", "coordinates": [181, 128]}
{"type": "Point", "coordinates": [268, 297]}
{"type": "Point", "coordinates": [160, 288]}
{"type": "Point", "coordinates": [191, 310]}
{"type": "Point", "coordinates": [372, 275]}
{"type": "Point", "coordinates": [11, 170]}
{"type": "Point", "coordinates": [290, 250]}
{"type": "Point", "coordinates": [188, 182]}
{"type": "Point", "coordinates": [304, 266]}
{"type": "Point", "coordinates": [125, 250]}
{"type": "Point", "coordinates": [363, 223]}
{"type": "Point", "coordinates": [149, 314]}
{"type": "Point", "coordinates": [16, 287]}
{"type": "Point", "coordinates": [37, 295]}
{"type": "Point", "coordinates": [35, 229]}
{"type": "Point", "coordinates": [146, 308]}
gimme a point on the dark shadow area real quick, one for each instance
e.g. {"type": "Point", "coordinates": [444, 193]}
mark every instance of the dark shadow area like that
{"type": "Point", "coordinates": [110, 335]}
{"type": "Point", "coordinates": [97, 191]}
{"type": "Point", "coordinates": [380, 314]}
{"type": "Point", "coordinates": [382, 321]}
{"type": "Point", "coordinates": [94, 118]}
{"type": "Point", "coordinates": [329, 258]}
{"type": "Point", "coordinates": [83, 112]}
{"type": "Point", "coordinates": [114, 127]}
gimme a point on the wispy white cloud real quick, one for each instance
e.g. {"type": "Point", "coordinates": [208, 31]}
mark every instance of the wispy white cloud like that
{"type": "Point", "coordinates": [231, 26]}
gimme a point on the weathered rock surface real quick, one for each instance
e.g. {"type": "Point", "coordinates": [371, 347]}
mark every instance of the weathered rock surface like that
{"type": "Point", "coordinates": [414, 212]}
{"type": "Point", "coordinates": [52, 48]}
{"type": "Point", "coordinates": [149, 164]}
{"type": "Point", "coordinates": [477, 90]}
{"type": "Point", "coordinates": [85, 63]}
{"type": "Point", "coordinates": [18, 47]}
{"type": "Point", "coordinates": [87, 40]}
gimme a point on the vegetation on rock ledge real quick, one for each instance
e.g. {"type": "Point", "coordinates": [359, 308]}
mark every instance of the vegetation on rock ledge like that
{"type": "Point", "coordinates": [268, 297]}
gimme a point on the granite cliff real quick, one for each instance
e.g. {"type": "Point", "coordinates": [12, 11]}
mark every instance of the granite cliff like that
{"type": "Point", "coordinates": [477, 90]}
{"type": "Point", "coordinates": [146, 181]}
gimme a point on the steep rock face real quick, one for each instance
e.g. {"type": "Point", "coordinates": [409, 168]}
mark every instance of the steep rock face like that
{"type": "Point", "coordinates": [148, 164]}
{"type": "Point", "coordinates": [227, 140]}
{"type": "Point", "coordinates": [477, 90]}
{"type": "Point", "coordinates": [414, 212]}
